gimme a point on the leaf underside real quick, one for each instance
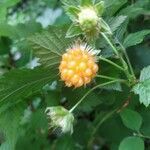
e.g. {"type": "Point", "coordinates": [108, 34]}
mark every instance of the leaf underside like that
{"type": "Point", "coordinates": [49, 46]}
{"type": "Point", "coordinates": [19, 84]}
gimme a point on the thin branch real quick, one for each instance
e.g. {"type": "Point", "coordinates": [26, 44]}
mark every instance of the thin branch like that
{"type": "Point", "coordinates": [98, 86]}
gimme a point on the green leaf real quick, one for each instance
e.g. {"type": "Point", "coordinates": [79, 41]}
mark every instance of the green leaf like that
{"type": "Point", "coordinates": [19, 31]}
{"type": "Point", "coordinates": [8, 3]}
{"type": "Point", "coordinates": [145, 129]}
{"type": "Point", "coordinates": [31, 139]}
{"type": "Point", "coordinates": [132, 143]}
{"type": "Point", "coordinates": [114, 86]}
{"type": "Point", "coordinates": [131, 119]}
{"type": "Point", "coordinates": [121, 30]}
{"type": "Point", "coordinates": [4, 4]}
{"type": "Point", "coordinates": [4, 45]}
{"type": "Point", "coordinates": [116, 22]}
{"type": "Point", "coordinates": [132, 12]}
{"type": "Point", "coordinates": [50, 45]}
{"type": "Point", "coordinates": [72, 12]}
{"type": "Point", "coordinates": [10, 126]}
{"type": "Point", "coordinates": [113, 6]}
{"type": "Point", "coordinates": [143, 87]}
{"type": "Point", "coordinates": [136, 9]}
{"type": "Point", "coordinates": [65, 142]}
{"type": "Point", "coordinates": [135, 38]}
{"type": "Point", "coordinates": [74, 30]}
{"type": "Point", "coordinates": [145, 74]}
{"type": "Point", "coordinates": [18, 84]}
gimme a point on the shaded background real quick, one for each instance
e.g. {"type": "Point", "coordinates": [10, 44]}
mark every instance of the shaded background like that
{"type": "Point", "coordinates": [22, 18]}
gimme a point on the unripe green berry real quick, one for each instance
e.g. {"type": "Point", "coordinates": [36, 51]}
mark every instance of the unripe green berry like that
{"type": "Point", "coordinates": [88, 19]}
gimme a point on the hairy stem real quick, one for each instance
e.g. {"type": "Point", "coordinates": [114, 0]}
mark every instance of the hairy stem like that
{"type": "Point", "coordinates": [127, 58]}
{"type": "Point", "coordinates": [98, 86]}
{"type": "Point", "coordinates": [112, 63]}
{"type": "Point", "coordinates": [109, 42]}
{"type": "Point", "coordinates": [124, 64]}
{"type": "Point", "coordinates": [109, 78]}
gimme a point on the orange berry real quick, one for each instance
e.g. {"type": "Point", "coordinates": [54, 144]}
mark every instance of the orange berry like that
{"type": "Point", "coordinates": [70, 73]}
{"type": "Point", "coordinates": [71, 64]}
{"type": "Point", "coordinates": [75, 79]}
{"type": "Point", "coordinates": [95, 68]}
{"type": "Point", "coordinates": [82, 66]}
{"type": "Point", "coordinates": [68, 84]}
{"type": "Point", "coordinates": [64, 74]}
{"type": "Point", "coordinates": [78, 57]}
{"type": "Point", "coordinates": [90, 63]}
{"type": "Point", "coordinates": [65, 56]}
{"type": "Point", "coordinates": [87, 80]}
{"type": "Point", "coordinates": [78, 51]}
{"type": "Point", "coordinates": [88, 72]}
{"type": "Point", "coordinates": [79, 83]}
{"type": "Point", "coordinates": [71, 52]}
{"type": "Point", "coordinates": [63, 64]}
{"type": "Point", "coordinates": [85, 57]}
{"type": "Point", "coordinates": [78, 66]}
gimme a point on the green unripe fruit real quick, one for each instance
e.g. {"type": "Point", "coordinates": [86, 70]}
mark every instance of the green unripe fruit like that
{"type": "Point", "coordinates": [88, 19]}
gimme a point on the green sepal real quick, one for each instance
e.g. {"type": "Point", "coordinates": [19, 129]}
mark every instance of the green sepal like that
{"type": "Point", "coordinates": [105, 27]}
{"type": "Point", "coordinates": [86, 2]}
{"type": "Point", "coordinates": [100, 8]}
{"type": "Point", "coordinates": [72, 12]}
{"type": "Point", "coordinates": [74, 30]}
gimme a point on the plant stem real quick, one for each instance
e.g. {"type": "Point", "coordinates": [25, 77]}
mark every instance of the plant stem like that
{"type": "Point", "coordinates": [109, 78]}
{"type": "Point", "coordinates": [124, 64]}
{"type": "Point", "coordinates": [105, 77]}
{"type": "Point", "coordinates": [108, 41]}
{"type": "Point", "coordinates": [127, 58]}
{"type": "Point", "coordinates": [98, 86]}
{"type": "Point", "coordinates": [112, 78]}
{"type": "Point", "coordinates": [141, 135]}
{"type": "Point", "coordinates": [112, 63]}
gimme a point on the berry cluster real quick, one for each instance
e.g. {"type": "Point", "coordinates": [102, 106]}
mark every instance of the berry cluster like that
{"type": "Point", "coordinates": [77, 67]}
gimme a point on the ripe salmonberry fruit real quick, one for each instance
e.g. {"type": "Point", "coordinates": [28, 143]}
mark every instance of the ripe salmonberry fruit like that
{"type": "Point", "coordinates": [78, 65]}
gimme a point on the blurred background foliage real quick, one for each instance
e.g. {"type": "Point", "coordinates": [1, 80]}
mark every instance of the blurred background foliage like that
{"type": "Point", "coordinates": [25, 125]}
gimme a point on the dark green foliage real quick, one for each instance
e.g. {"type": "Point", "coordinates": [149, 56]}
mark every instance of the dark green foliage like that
{"type": "Point", "coordinates": [132, 143]}
{"type": "Point", "coordinates": [127, 116]}
{"type": "Point", "coordinates": [49, 46]}
{"type": "Point", "coordinates": [112, 117]}
{"type": "Point", "coordinates": [27, 82]}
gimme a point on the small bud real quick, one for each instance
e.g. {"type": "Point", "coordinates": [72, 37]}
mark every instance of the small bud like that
{"type": "Point", "coordinates": [88, 19]}
{"type": "Point", "coordinates": [60, 118]}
